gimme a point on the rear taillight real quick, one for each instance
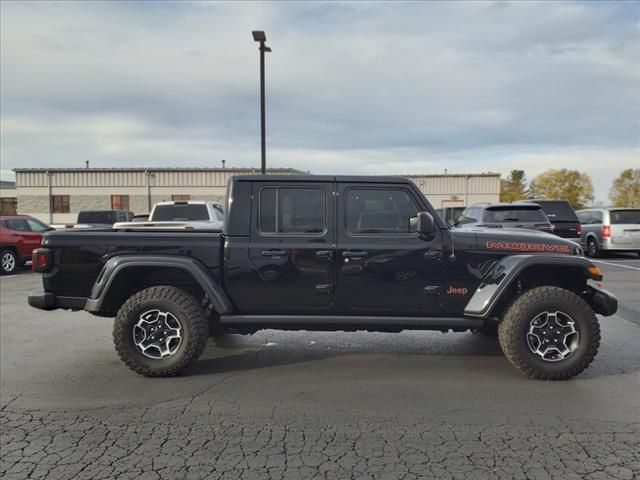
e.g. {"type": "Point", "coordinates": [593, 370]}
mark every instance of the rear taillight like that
{"type": "Point", "coordinates": [606, 231]}
{"type": "Point", "coordinates": [41, 260]}
{"type": "Point", "coordinates": [578, 229]}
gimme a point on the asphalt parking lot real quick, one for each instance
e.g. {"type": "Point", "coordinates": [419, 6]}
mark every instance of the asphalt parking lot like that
{"type": "Point", "coordinates": [313, 405]}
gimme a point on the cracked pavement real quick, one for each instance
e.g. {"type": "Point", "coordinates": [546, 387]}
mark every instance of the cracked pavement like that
{"type": "Point", "coordinates": [306, 405]}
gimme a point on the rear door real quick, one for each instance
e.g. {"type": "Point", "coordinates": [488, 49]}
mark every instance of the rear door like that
{"type": "Point", "coordinates": [291, 248]}
{"type": "Point", "coordinates": [382, 268]}
{"type": "Point", "coordinates": [594, 226]}
{"type": "Point", "coordinates": [625, 228]}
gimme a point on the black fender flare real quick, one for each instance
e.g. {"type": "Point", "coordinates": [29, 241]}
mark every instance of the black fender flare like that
{"type": "Point", "coordinates": [506, 271]}
{"type": "Point", "coordinates": [116, 265]}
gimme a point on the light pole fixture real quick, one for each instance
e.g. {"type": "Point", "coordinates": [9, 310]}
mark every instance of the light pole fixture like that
{"type": "Point", "coordinates": [259, 36]}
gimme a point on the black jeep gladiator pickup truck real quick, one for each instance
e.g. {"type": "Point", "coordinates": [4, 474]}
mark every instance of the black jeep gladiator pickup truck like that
{"type": "Point", "coordinates": [328, 253]}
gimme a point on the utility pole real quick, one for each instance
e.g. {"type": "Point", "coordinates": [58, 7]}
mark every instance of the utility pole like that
{"type": "Point", "coordinates": [259, 36]}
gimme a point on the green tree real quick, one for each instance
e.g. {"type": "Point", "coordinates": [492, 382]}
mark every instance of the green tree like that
{"type": "Point", "coordinates": [625, 190]}
{"type": "Point", "coordinates": [563, 184]}
{"type": "Point", "coordinates": [514, 187]}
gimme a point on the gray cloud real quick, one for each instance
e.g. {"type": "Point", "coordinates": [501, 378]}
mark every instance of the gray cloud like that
{"type": "Point", "coordinates": [352, 87]}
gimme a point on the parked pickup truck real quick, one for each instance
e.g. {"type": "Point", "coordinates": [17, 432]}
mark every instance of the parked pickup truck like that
{"type": "Point", "coordinates": [182, 214]}
{"type": "Point", "coordinates": [328, 253]}
{"type": "Point", "coordinates": [97, 219]}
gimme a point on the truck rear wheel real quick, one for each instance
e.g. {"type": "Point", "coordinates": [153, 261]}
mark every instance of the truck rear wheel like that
{"type": "Point", "coordinates": [550, 333]}
{"type": "Point", "coordinates": [160, 331]}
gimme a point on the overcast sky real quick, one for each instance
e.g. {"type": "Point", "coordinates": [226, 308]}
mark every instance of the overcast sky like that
{"type": "Point", "coordinates": [351, 87]}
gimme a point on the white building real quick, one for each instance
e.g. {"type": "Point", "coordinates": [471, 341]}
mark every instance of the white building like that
{"type": "Point", "coordinates": [56, 195]}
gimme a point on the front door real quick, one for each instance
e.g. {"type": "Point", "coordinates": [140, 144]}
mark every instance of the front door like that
{"type": "Point", "coordinates": [383, 268]}
{"type": "Point", "coordinates": [292, 246]}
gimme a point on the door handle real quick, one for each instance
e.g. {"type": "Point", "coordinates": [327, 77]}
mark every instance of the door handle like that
{"type": "Point", "coordinates": [273, 253]}
{"type": "Point", "coordinates": [354, 254]}
{"type": "Point", "coordinates": [324, 289]}
{"type": "Point", "coordinates": [433, 255]}
{"type": "Point", "coordinates": [326, 254]}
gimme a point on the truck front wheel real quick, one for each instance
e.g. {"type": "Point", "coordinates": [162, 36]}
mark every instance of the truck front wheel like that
{"type": "Point", "coordinates": [160, 331]}
{"type": "Point", "coordinates": [550, 333]}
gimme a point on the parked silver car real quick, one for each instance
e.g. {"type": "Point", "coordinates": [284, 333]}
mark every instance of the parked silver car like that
{"type": "Point", "coordinates": [610, 230]}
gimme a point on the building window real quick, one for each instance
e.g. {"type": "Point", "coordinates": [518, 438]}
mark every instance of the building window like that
{"type": "Point", "coordinates": [181, 197]}
{"type": "Point", "coordinates": [60, 203]}
{"type": "Point", "coordinates": [8, 206]}
{"type": "Point", "coordinates": [120, 202]}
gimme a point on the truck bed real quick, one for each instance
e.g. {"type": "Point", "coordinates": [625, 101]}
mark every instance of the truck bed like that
{"type": "Point", "coordinates": [80, 254]}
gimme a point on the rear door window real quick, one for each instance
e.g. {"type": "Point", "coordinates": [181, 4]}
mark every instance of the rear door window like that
{"type": "Point", "coordinates": [17, 225]}
{"type": "Point", "coordinates": [290, 210]}
{"type": "Point", "coordinates": [619, 217]}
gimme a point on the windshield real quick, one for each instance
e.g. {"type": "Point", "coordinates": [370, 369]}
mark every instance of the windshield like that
{"type": "Point", "coordinates": [624, 216]}
{"type": "Point", "coordinates": [559, 211]}
{"type": "Point", "coordinates": [514, 214]}
{"type": "Point", "coordinates": [179, 213]}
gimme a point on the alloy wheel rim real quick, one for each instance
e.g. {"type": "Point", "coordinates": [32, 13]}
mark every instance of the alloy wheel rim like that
{"type": "Point", "coordinates": [8, 262]}
{"type": "Point", "coordinates": [157, 334]}
{"type": "Point", "coordinates": [552, 336]}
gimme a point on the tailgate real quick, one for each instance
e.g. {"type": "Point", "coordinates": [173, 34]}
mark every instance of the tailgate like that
{"type": "Point", "coordinates": [625, 227]}
{"type": "Point", "coordinates": [626, 234]}
{"type": "Point", "coordinates": [566, 229]}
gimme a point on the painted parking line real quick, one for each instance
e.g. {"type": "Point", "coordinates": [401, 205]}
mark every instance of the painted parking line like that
{"type": "Point", "coordinates": [617, 265]}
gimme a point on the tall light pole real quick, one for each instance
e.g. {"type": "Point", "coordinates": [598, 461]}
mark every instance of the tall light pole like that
{"type": "Point", "coordinates": [259, 36]}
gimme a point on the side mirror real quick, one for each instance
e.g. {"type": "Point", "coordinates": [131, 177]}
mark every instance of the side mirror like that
{"type": "Point", "coordinates": [423, 224]}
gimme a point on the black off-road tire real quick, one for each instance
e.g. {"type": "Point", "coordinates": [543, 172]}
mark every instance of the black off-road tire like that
{"type": "Point", "coordinates": [179, 303]}
{"type": "Point", "coordinates": [512, 333]}
{"type": "Point", "coordinates": [8, 267]}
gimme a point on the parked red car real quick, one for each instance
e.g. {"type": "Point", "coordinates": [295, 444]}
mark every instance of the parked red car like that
{"type": "Point", "coordinates": [19, 235]}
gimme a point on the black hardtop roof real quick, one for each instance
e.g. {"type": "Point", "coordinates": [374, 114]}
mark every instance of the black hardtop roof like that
{"type": "Point", "coordinates": [321, 178]}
